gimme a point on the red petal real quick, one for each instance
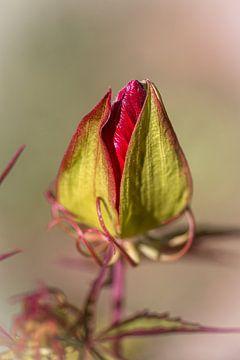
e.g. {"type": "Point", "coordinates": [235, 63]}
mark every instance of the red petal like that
{"type": "Point", "coordinates": [118, 130]}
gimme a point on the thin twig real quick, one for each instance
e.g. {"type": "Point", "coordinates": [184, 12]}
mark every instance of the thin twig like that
{"type": "Point", "coordinates": [11, 253]}
{"type": "Point", "coordinates": [11, 163]}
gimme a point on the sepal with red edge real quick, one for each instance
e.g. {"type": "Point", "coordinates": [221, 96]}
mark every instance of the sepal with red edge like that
{"type": "Point", "coordinates": [86, 172]}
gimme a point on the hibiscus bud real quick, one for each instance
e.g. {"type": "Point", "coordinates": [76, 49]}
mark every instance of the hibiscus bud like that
{"type": "Point", "coordinates": [128, 155]}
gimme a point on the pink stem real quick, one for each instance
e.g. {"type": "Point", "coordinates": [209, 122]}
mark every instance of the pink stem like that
{"type": "Point", "coordinates": [118, 299]}
{"type": "Point", "coordinates": [91, 303]}
{"type": "Point", "coordinates": [11, 163]}
{"type": "Point", "coordinates": [118, 290]}
{"type": "Point", "coordinates": [7, 255]}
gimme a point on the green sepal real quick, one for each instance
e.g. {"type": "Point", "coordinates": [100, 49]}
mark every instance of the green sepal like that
{"type": "Point", "coordinates": [86, 172]}
{"type": "Point", "coordinates": [156, 183]}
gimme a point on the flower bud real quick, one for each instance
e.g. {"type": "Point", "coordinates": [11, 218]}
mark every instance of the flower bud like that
{"type": "Point", "coordinates": [127, 155]}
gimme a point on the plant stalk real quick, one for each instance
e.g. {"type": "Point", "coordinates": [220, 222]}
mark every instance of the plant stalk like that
{"type": "Point", "coordinates": [118, 290]}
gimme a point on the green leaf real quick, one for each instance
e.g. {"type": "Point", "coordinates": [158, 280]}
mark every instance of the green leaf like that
{"type": "Point", "coordinates": [156, 183]}
{"type": "Point", "coordinates": [86, 173]}
{"type": "Point", "coordinates": [146, 323]}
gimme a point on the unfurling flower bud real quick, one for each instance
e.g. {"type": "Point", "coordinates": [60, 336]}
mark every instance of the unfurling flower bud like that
{"type": "Point", "coordinates": [127, 155]}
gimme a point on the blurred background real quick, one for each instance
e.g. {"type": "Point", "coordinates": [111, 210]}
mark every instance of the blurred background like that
{"type": "Point", "coordinates": [57, 59]}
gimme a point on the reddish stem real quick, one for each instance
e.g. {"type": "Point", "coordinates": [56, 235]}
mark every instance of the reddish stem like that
{"type": "Point", "coordinates": [11, 253]}
{"type": "Point", "coordinates": [91, 303]}
{"type": "Point", "coordinates": [118, 288]}
{"type": "Point", "coordinates": [11, 163]}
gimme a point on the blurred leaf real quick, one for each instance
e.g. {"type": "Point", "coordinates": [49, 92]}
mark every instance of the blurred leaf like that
{"type": "Point", "coordinates": [147, 323]}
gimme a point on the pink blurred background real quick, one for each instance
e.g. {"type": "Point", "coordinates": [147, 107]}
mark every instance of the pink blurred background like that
{"type": "Point", "coordinates": [57, 59]}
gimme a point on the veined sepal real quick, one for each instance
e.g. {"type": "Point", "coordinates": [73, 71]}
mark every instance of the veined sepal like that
{"type": "Point", "coordinates": [86, 172]}
{"type": "Point", "coordinates": [156, 183]}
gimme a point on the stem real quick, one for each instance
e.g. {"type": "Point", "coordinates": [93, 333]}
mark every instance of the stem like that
{"type": "Point", "coordinates": [7, 255]}
{"type": "Point", "coordinates": [118, 290]}
{"type": "Point", "coordinates": [11, 163]}
{"type": "Point", "coordinates": [118, 299]}
{"type": "Point", "coordinates": [91, 303]}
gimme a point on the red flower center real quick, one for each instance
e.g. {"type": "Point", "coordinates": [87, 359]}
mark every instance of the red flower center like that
{"type": "Point", "coordinates": [118, 130]}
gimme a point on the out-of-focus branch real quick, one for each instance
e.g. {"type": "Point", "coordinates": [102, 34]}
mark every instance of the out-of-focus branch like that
{"type": "Point", "coordinates": [11, 163]}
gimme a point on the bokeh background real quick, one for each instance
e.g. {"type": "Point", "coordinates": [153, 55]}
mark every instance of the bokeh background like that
{"type": "Point", "coordinates": [57, 59]}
